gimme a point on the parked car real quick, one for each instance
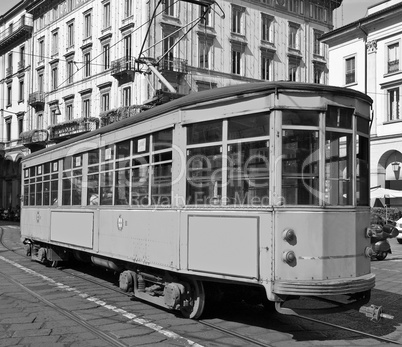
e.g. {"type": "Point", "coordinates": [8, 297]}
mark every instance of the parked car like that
{"type": "Point", "coordinates": [399, 227]}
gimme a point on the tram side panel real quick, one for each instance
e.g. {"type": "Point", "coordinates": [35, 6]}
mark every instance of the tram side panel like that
{"type": "Point", "coordinates": [35, 224]}
{"type": "Point", "coordinates": [327, 245]}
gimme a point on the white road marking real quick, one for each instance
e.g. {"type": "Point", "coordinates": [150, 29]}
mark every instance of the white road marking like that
{"type": "Point", "coordinates": [131, 316]}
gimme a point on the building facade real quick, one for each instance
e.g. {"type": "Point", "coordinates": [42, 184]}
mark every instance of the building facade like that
{"type": "Point", "coordinates": [94, 62]}
{"type": "Point", "coordinates": [367, 53]}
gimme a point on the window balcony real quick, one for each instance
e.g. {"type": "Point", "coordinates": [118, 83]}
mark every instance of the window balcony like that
{"type": "Point", "coordinates": [63, 131]}
{"type": "Point", "coordinates": [118, 114]}
{"type": "Point", "coordinates": [124, 68]}
{"type": "Point", "coordinates": [34, 139]}
{"type": "Point", "coordinates": [9, 71]}
{"type": "Point", "coordinates": [16, 31]}
{"type": "Point", "coordinates": [171, 64]}
{"type": "Point", "coordinates": [37, 100]}
{"type": "Point", "coordinates": [21, 65]}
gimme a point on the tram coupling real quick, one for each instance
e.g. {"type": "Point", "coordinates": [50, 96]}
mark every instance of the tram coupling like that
{"type": "Point", "coordinates": [375, 313]}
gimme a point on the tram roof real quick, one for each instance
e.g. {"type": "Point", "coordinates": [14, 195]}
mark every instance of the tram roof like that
{"type": "Point", "coordinates": [208, 96]}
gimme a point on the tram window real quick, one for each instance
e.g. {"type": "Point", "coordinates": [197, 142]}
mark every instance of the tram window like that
{"type": "Point", "coordinates": [339, 117]}
{"type": "Point", "coordinates": [26, 193]}
{"type": "Point", "coordinates": [38, 201]}
{"type": "Point", "coordinates": [54, 185]}
{"type": "Point", "coordinates": [204, 175]}
{"type": "Point", "coordinates": [46, 168]}
{"type": "Point", "coordinates": [338, 168]}
{"type": "Point", "coordinates": [123, 149]}
{"type": "Point", "coordinates": [161, 185]}
{"type": "Point", "coordinates": [32, 194]}
{"type": "Point", "coordinates": [300, 117]}
{"type": "Point", "coordinates": [248, 126]}
{"type": "Point", "coordinates": [72, 180]}
{"type": "Point", "coordinates": [67, 163]}
{"type": "Point", "coordinates": [248, 173]}
{"type": "Point", "coordinates": [46, 193]}
{"type": "Point", "coordinates": [300, 167]}
{"type": "Point", "coordinates": [32, 171]}
{"type": "Point", "coordinates": [363, 125]}
{"type": "Point", "coordinates": [162, 140]}
{"type": "Point", "coordinates": [362, 171]}
{"type": "Point", "coordinates": [204, 132]}
{"type": "Point", "coordinates": [122, 187]}
{"type": "Point", "coordinates": [141, 145]}
{"type": "Point", "coordinates": [107, 153]}
{"type": "Point", "coordinates": [106, 188]}
{"type": "Point", "coordinates": [93, 190]}
{"type": "Point", "coordinates": [140, 185]}
{"type": "Point", "coordinates": [93, 157]}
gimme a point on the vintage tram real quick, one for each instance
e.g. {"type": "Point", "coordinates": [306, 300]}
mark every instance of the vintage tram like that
{"type": "Point", "coordinates": [260, 186]}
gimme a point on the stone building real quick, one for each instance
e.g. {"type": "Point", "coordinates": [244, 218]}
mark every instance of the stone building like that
{"type": "Point", "coordinates": [89, 63]}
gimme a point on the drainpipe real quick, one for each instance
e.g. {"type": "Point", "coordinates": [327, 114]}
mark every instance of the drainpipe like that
{"type": "Point", "coordinates": [365, 57]}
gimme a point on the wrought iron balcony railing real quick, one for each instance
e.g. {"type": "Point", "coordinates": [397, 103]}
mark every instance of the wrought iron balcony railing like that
{"type": "Point", "coordinates": [74, 127]}
{"type": "Point", "coordinates": [16, 31]}
{"type": "Point", "coordinates": [36, 100]}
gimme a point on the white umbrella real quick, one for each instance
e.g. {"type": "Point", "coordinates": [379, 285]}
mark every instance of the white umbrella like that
{"type": "Point", "coordinates": [380, 193]}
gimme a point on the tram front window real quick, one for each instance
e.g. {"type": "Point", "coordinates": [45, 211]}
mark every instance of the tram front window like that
{"type": "Point", "coordinates": [300, 183]}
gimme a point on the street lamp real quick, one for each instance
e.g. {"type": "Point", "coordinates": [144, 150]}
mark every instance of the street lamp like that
{"type": "Point", "coordinates": [395, 166]}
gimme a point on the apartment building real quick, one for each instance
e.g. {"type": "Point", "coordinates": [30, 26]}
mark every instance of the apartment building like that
{"type": "Point", "coordinates": [365, 55]}
{"type": "Point", "coordinates": [94, 62]}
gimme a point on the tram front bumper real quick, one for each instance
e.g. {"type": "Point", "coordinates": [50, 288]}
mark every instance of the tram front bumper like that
{"type": "Point", "coordinates": [325, 287]}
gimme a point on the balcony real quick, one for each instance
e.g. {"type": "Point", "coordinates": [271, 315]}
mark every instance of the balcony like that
{"type": "Point", "coordinates": [16, 31]}
{"type": "Point", "coordinates": [37, 100]}
{"type": "Point", "coordinates": [124, 69]}
{"type": "Point", "coordinates": [63, 131]}
{"type": "Point", "coordinates": [118, 114]}
{"type": "Point", "coordinates": [34, 139]}
{"type": "Point", "coordinates": [173, 69]}
{"type": "Point", "coordinates": [21, 65]}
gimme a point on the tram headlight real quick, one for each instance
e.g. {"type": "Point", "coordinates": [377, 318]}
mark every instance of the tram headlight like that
{"type": "Point", "coordinates": [289, 235]}
{"type": "Point", "coordinates": [289, 257]}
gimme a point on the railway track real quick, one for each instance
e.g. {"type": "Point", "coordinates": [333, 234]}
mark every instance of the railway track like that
{"type": "Point", "coordinates": [107, 283]}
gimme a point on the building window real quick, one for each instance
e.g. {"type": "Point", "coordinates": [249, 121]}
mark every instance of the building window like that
{"type": "Point", "coordinates": [9, 94]}
{"type": "Point", "coordinates": [393, 57]}
{"type": "Point", "coordinates": [22, 57]}
{"type": "Point", "coordinates": [293, 36]}
{"type": "Point", "coordinates": [204, 53]}
{"type": "Point", "coordinates": [318, 73]}
{"type": "Point", "coordinates": [21, 90]}
{"type": "Point", "coordinates": [69, 111]}
{"type": "Point", "coordinates": [106, 15]}
{"type": "Point", "coordinates": [87, 25]}
{"type": "Point", "coordinates": [70, 34]}
{"type": "Point", "coordinates": [55, 42]}
{"type": "Point", "coordinates": [41, 81]}
{"type": "Point", "coordinates": [317, 44]}
{"type": "Point", "coordinates": [293, 70]}
{"type": "Point", "coordinates": [236, 60]}
{"type": "Point", "coordinates": [41, 49]}
{"type": "Point", "coordinates": [318, 12]}
{"type": "Point", "coordinates": [70, 71]}
{"type": "Point", "coordinates": [39, 121]}
{"type": "Point", "coordinates": [294, 6]}
{"type": "Point", "coordinates": [8, 129]}
{"type": "Point", "coordinates": [238, 14]}
{"type": "Point", "coordinates": [20, 120]}
{"type": "Point", "coordinates": [168, 7]}
{"type": "Point", "coordinates": [10, 63]}
{"type": "Point", "coordinates": [393, 104]}
{"type": "Point", "coordinates": [53, 116]}
{"type": "Point", "coordinates": [105, 102]}
{"type": "Point", "coordinates": [266, 62]}
{"type": "Point", "coordinates": [128, 8]}
{"type": "Point", "coordinates": [167, 49]}
{"type": "Point", "coordinates": [207, 16]}
{"type": "Point", "coordinates": [106, 56]}
{"type": "Point", "coordinates": [127, 96]}
{"type": "Point", "coordinates": [350, 66]}
{"type": "Point", "coordinates": [86, 107]}
{"type": "Point", "coordinates": [55, 72]}
{"type": "Point", "coordinates": [266, 28]}
{"type": "Point", "coordinates": [87, 64]}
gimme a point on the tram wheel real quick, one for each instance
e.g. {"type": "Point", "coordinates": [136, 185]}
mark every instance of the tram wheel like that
{"type": "Point", "coordinates": [195, 301]}
{"type": "Point", "coordinates": [381, 256]}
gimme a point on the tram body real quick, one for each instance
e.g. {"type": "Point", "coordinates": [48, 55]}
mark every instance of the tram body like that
{"type": "Point", "coordinates": [264, 186]}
